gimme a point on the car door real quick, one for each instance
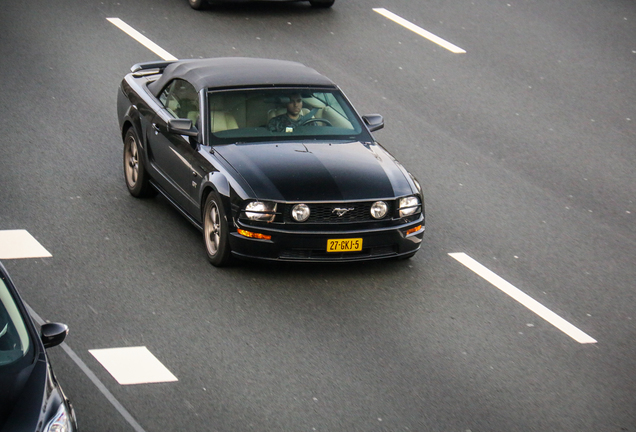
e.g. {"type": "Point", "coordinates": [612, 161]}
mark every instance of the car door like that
{"type": "Point", "coordinates": [175, 155]}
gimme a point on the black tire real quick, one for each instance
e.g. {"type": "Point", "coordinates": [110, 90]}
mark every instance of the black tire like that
{"type": "Point", "coordinates": [198, 4]}
{"type": "Point", "coordinates": [322, 3]}
{"type": "Point", "coordinates": [135, 174]}
{"type": "Point", "coordinates": [215, 231]}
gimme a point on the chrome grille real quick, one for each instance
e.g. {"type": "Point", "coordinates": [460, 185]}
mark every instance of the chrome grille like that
{"type": "Point", "coordinates": [328, 213]}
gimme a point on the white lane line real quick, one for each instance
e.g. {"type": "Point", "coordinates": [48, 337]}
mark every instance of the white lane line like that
{"type": "Point", "coordinates": [420, 31]}
{"type": "Point", "coordinates": [89, 373]}
{"type": "Point", "coordinates": [142, 39]}
{"type": "Point", "coordinates": [16, 244]}
{"type": "Point", "coordinates": [133, 365]}
{"type": "Point", "coordinates": [524, 299]}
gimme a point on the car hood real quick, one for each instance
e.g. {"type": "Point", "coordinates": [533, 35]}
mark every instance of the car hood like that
{"type": "Point", "coordinates": [24, 397]}
{"type": "Point", "coordinates": [291, 171]}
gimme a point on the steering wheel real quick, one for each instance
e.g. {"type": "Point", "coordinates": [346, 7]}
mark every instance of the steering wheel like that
{"type": "Point", "coordinates": [316, 120]}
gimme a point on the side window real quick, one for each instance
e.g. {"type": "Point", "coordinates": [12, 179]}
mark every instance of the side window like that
{"type": "Point", "coordinates": [181, 100]}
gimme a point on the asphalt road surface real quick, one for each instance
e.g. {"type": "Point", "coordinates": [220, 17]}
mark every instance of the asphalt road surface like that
{"type": "Point", "coordinates": [525, 145]}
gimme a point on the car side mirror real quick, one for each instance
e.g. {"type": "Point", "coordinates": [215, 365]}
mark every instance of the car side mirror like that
{"type": "Point", "coordinates": [53, 334]}
{"type": "Point", "coordinates": [373, 121]}
{"type": "Point", "coordinates": [182, 127]}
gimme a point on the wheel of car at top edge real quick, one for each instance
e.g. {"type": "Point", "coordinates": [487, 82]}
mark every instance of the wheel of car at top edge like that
{"type": "Point", "coordinates": [137, 179]}
{"type": "Point", "coordinates": [215, 231]}
{"type": "Point", "coordinates": [197, 4]}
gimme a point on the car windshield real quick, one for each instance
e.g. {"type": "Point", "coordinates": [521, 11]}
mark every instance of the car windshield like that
{"type": "Point", "coordinates": [250, 115]}
{"type": "Point", "coordinates": [14, 336]}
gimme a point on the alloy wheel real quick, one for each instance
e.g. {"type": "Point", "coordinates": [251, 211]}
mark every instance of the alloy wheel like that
{"type": "Point", "coordinates": [212, 229]}
{"type": "Point", "coordinates": [132, 162]}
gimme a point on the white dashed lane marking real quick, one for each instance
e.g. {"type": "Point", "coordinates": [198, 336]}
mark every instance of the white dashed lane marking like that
{"type": "Point", "coordinates": [133, 365]}
{"type": "Point", "coordinates": [524, 299]}
{"type": "Point", "coordinates": [15, 244]}
{"type": "Point", "coordinates": [420, 31]}
{"type": "Point", "coordinates": [141, 39]}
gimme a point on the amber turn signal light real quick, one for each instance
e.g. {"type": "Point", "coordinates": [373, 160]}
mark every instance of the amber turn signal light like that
{"type": "Point", "coordinates": [254, 235]}
{"type": "Point", "coordinates": [414, 229]}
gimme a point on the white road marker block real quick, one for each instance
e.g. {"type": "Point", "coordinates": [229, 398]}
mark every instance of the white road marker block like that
{"type": "Point", "coordinates": [133, 365]}
{"type": "Point", "coordinates": [16, 244]}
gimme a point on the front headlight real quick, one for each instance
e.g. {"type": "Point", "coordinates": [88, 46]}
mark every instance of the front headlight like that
{"type": "Point", "coordinates": [60, 422]}
{"type": "Point", "coordinates": [260, 211]}
{"type": "Point", "coordinates": [409, 206]}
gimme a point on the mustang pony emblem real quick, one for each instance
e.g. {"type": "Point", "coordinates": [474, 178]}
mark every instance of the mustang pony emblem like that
{"type": "Point", "coordinates": [341, 211]}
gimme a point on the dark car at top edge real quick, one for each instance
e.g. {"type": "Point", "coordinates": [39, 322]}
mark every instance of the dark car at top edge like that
{"type": "Point", "coordinates": [31, 399]}
{"type": "Point", "coordinates": [201, 4]}
{"type": "Point", "coordinates": [213, 137]}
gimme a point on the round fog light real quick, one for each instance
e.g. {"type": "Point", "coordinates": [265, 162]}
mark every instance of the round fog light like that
{"type": "Point", "coordinates": [379, 209]}
{"type": "Point", "coordinates": [300, 212]}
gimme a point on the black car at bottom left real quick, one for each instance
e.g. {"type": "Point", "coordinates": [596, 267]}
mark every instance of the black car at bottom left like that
{"type": "Point", "coordinates": [30, 396]}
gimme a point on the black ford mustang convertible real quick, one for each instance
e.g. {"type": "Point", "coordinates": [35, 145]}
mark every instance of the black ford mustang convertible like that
{"type": "Point", "coordinates": [268, 159]}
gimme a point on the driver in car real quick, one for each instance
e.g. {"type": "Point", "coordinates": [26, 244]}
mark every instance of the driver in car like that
{"type": "Point", "coordinates": [288, 121]}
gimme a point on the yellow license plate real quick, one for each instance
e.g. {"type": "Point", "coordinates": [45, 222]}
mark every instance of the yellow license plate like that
{"type": "Point", "coordinates": [344, 245]}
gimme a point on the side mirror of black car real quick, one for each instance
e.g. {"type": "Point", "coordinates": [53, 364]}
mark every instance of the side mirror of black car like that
{"type": "Point", "coordinates": [374, 121]}
{"type": "Point", "coordinates": [182, 127]}
{"type": "Point", "coordinates": [53, 334]}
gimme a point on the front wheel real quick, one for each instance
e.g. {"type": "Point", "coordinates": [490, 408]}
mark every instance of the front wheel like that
{"type": "Point", "coordinates": [215, 231]}
{"type": "Point", "coordinates": [137, 178]}
{"type": "Point", "coordinates": [322, 3]}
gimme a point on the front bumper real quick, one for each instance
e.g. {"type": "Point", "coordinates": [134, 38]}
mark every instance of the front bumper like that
{"type": "Point", "coordinates": [297, 246]}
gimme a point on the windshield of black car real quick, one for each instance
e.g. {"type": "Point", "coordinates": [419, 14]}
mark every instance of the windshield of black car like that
{"type": "Point", "coordinates": [14, 336]}
{"type": "Point", "coordinates": [250, 115]}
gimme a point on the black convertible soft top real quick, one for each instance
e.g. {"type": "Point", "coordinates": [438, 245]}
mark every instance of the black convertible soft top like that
{"type": "Point", "coordinates": [239, 72]}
